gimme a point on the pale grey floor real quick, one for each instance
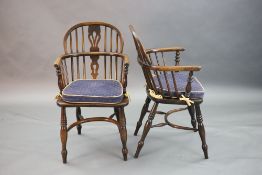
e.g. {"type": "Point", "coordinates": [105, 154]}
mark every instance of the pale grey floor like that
{"type": "Point", "coordinates": [29, 138]}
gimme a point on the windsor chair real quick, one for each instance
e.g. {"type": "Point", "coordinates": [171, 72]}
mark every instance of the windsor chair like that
{"type": "Point", "coordinates": [92, 73]}
{"type": "Point", "coordinates": [169, 84]}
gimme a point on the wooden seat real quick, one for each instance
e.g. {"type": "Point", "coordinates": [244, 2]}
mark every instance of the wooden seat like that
{"type": "Point", "coordinates": [93, 51]}
{"type": "Point", "coordinates": [164, 85]}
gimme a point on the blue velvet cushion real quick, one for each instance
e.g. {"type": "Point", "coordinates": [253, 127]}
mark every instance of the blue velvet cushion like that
{"type": "Point", "coordinates": [98, 91]}
{"type": "Point", "coordinates": [197, 90]}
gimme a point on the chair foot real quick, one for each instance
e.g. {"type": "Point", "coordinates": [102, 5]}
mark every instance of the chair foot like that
{"type": "Point", "coordinates": [146, 129]}
{"type": "Point", "coordinates": [125, 152]}
{"type": "Point", "coordinates": [139, 147]}
{"type": "Point", "coordinates": [78, 117]}
{"type": "Point", "coordinates": [201, 130]}
{"type": "Point", "coordinates": [205, 147]}
{"type": "Point", "coordinates": [63, 134]}
{"type": "Point", "coordinates": [122, 130]}
{"type": "Point", "coordinates": [142, 115]}
{"type": "Point", "coordinates": [64, 156]}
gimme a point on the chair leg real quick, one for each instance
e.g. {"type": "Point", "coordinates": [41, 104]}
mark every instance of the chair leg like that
{"type": "Point", "coordinates": [122, 130]}
{"type": "Point", "coordinates": [78, 117]}
{"type": "Point", "coordinates": [63, 134]}
{"type": "Point", "coordinates": [147, 127]}
{"type": "Point", "coordinates": [191, 110]}
{"type": "Point", "coordinates": [201, 130]}
{"type": "Point", "coordinates": [142, 115]}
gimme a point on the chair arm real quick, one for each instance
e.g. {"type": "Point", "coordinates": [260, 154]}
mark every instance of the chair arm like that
{"type": "Point", "coordinates": [58, 61]}
{"type": "Point", "coordinates": [175, 68]}
{"type": "Point", "coordinates": [167, 49]}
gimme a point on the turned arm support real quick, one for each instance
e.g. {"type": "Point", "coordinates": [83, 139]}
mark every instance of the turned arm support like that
{"type": "Point", "coordinates": [125, 72]}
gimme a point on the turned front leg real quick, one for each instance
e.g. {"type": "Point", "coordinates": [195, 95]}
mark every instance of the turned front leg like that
{"type": "Point", "coordinates": [63, 134]}
{"type": "Point", "coordinates": [122, 130]}
{"type": "Point", "coordinates": [191, 110]}
{"type": "Point", "coordinates": [201, 130]}
{"type": "Point", "coordinates": [146, 129]}
{"type": "Point", "coordinates": [142, 115]}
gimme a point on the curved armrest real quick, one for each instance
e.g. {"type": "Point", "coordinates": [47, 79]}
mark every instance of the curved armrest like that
{"type": "Point", "coordinates": [63, 56]}
{"type": "Point", "coordinates": [175, 68]}
{"type": "Point", "coordinates": [167, 49]}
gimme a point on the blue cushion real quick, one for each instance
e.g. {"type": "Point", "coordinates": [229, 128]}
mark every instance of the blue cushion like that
{"type": "Point", "coordinates": [197, 90]}
{"type": "Point", "coordinates": [97, 91]}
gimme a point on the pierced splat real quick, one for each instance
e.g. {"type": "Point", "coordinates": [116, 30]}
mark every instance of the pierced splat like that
{"type": "Point", "coordinates": [94, 36]}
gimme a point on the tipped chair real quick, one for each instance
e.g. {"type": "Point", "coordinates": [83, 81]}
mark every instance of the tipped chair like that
{"type": "Point", "coordinates": [169, 83]}
{"type": "Point", "coordinates": [92, 73]}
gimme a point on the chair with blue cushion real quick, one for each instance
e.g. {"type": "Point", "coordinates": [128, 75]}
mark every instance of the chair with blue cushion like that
{"type": "Point", "coordinates": [167, 82]}
{"type": "Point", "coordinates": [92, 73]}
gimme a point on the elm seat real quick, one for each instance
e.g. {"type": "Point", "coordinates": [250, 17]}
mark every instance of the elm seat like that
{"type": "Point", "coordinates": [103, 91]}
{"type": "Point", "coordinates": [197, 90]}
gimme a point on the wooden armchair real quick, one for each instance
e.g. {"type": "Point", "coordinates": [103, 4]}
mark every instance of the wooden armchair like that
{"type": "Point", "coordinates": [169, 84]}
{"type": "Point", "coordinates": [92, 73]}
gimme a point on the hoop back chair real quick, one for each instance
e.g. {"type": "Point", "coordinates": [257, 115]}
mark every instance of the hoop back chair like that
{"type": "Point", "coordinates": [92, 73]}
{"type": "Point", "coordinates": [169, 84]}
